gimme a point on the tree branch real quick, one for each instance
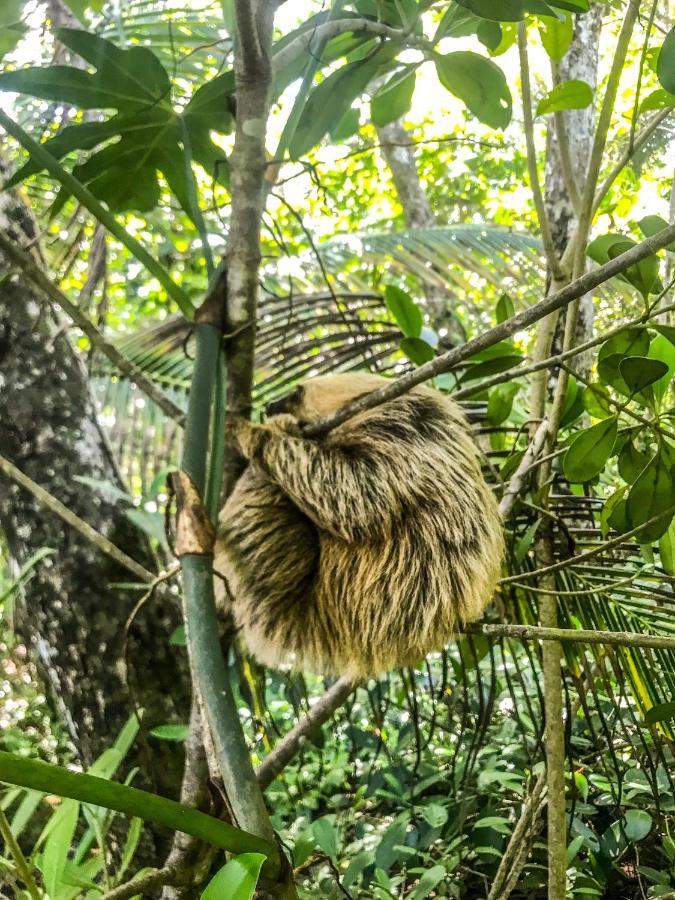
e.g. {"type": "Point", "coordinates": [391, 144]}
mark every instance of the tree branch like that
{"type": "Point", "coordinates": [291, 743]}
{"type": "Point", "coordinates": [99, 540]}
{"type": "Point", "coordinates": [545, 307]}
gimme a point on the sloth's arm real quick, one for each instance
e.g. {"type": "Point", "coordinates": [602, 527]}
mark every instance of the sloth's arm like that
{"type": "Point", "coordinates": [342, 490]}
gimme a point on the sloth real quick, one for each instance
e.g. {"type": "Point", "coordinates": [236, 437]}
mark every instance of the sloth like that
{"type": "Point", "coordinates": [363, 550]}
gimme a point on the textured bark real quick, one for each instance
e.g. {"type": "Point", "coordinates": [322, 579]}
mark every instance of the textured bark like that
{"type": "Point", "coordinates": [397, 149]}
{"type": "Point", "coordinates": [69, 615]}
{"type": "Point", "coordinates": [580, 62]}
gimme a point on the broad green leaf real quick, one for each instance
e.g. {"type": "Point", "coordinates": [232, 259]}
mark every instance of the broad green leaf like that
{"type": "Point", "coordinates": [330, 99]}
{"type": "Point", "coordinates": [589, 451]}
{"type": "Point", "coordinates": [660, 713]}
{"type": "Point", "coordinates": [170, 732]}
{"type": "Point", "coordinates": [403, 309]}
{"type": "Point", "coordinates": [662, 349]}
{"type": "Point", "coordinates": [668, 331]}
{"type": "Point", "coordinates": [10, 13]}
{"type": "Point", "coordinates": [393, 99]}
{"type": "Point", "coordinates": [667, 549]}
{"type": "Point", "coordinates": [652, 493]}
{"type": "Point", "coordinates": [237, 879]}
{"type": "Point", "coordinates": [596, 401]}
{"type": "Point", "coordinates": [57, 846]}
{"type": "Point", "coordinates": [665, 66]}
{"type": "Point", "coordinates": [637, 824]}
{"type": "Point", "coordinates": [326, 836]}
{"type": "Point", "coordinates": [572, 94]}
{"type": "Point", "coordinates": [644, 275]}
{"type": "Point", "coordinates": [613, 514]}
{"type": "Point", "coordinates": [505, 308]}
{"type": "Point", "coordinates": [479, 83]}
{"type": "Point", "coordinates": [489, 33]}
{"type": "Point", "coordinates": [651, 225]}
{"type": "Point", "coordinates": [658, 99]}
{"type": "Point", "coordinates": [631, 342]}
{"type": "Point", "coordinates": [417, 350]}
{"type": "Point", "coordinates": [556, 35]}
{"type": "Point", "coordinates": [500, 402]}
{"type": "Point", "coordinates": [573, 402]}
{"type": "Point", "coordinates": [435, 814]}
{"type": "Point", "coordinates": [514, 10]}
{"type": "Point", "coordinates": [124, 79]}
{"type": "Point", "coordinates": [490, 367]}
{"type": "Point", "coordinates": [430, 880]}
{"type": "Point", "coordinates": [631, 462]}
{"type": "Point", "coordinates": [640, 371]}
{"type": "Point", "coordinates": [347, 126]}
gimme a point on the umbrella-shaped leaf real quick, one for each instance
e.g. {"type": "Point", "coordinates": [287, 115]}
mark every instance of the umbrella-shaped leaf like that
{"type": "Point", "coordinates": [590, 450]}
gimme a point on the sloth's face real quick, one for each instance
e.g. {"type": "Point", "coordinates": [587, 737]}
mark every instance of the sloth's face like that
{"type": "Point", "coordinates": [322, 396]}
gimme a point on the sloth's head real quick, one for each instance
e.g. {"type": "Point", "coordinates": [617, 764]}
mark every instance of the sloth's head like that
{"type": "Point", "coordinates": [323, 395]}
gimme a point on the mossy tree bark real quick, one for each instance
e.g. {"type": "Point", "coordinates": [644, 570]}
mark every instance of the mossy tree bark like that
{"type": "Point", "coordinates": [69, 614]}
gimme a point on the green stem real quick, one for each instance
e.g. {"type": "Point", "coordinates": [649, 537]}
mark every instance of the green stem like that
{"type": "Point", "coordinates": [209, 671]}
{"type": "Point", "coordinates": [23, 870]}
{"type": "Point", "coordinates": [50, 779]}
{"type": "Point", "coordinates": [41, 155]}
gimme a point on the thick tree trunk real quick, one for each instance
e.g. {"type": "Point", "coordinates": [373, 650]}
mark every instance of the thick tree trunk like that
{"type": "Point", "coordinates": [70, 615]}
{"type": "Point", "coordinates": [580, 62]}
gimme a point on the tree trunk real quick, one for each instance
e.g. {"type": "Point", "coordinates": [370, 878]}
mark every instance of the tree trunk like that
{"type": "Point", "coordinates": [70, 615]}
{"type": "Point", "coordinates": [398, 152]}
{"type": "Point", "coordinates": [580, 62]}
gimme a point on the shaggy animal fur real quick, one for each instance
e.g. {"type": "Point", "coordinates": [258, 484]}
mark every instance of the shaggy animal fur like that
{"type": "Point", "coordinates": [364, 550]}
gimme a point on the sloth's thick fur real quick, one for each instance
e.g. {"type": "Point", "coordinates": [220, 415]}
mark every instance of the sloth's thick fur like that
{"type": "Point", "coordinates": [362, 551]}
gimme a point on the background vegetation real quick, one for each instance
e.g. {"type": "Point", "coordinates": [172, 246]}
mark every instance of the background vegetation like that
{"type": "Point", "coordinates": [203, 205]}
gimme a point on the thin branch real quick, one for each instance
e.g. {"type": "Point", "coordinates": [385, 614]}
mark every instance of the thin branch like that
{"type": "Point", "coordinates": [84, 528]}
{"type": "Point", "coordinates": [23, 869]}
{"type": "Point", "coordinates": [291, 743]}
{"type": "Point", "coordinates": [589, 554]}
{"type": "Point", "coordinates": [551, 361]}
{"type": "Point", "coordinates": [143, 884]}
{"type": "Point", "coordinates": [574, 636]}
{"type": "Point", "coordinates": [545, 307]}
{"type": "Point", "coordinates": [24, 262]}
{"type": "Point", "coordinates": [513, 488]}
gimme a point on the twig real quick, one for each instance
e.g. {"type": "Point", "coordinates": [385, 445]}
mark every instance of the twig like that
{"type": "Point", "coordinates": [573, 635]}
{"type": "Point", "coordinates": [23, 870]}
{"type": "Point", "coordinates": [515, 485]}
{"type": "Point", "coordinates": [95, 537]}
{"type": "Point", "coordinates": [575, 560]}
{"type": "Point", "coordinates": [284, 751]}
{"type": "Point", "coordinates": [142, 884]}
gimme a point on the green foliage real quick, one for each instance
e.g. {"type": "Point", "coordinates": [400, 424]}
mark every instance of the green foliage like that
{"type": "Point", "coordinates": [479, 83]}
{"type": "Point", "coordinates": [665, 67]}
{"type": "Point", "coordinates": [237, 878]}
{"type": "Point", "coordinates": [573, 94]}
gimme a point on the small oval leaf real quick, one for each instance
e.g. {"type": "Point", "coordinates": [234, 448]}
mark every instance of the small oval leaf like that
{"type": "Point", "coordinates": [589, 451]}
